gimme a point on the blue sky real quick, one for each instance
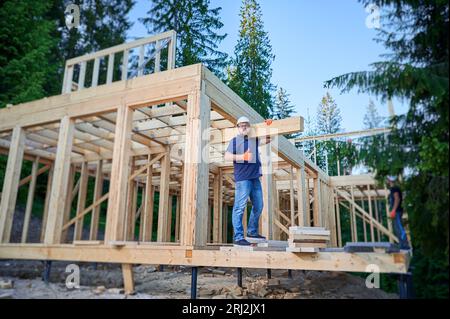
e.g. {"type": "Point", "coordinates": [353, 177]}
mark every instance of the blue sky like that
{"type": "Point", "coordinates": [313, 41]}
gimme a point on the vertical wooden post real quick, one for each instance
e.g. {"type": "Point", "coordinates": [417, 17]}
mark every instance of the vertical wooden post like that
{"type": "Point", "coordinates": [98, 190]}
{"type": "Point", "coordinates": [195, 181]}
{"type": "Point", "coordinates": [158, 56]}
{"type": "Point", "coordinates": [169, 219]}
{"type": "Point", "coordinates": [128, 278]}
{"type": "Point", "coordinates": [147, 215]}
{"type": "Point", "coordinates": [131, 206]}
{"type": "Point", "coordinates": [225, 223]}
{"type": "Point", "coordinates": [125, 65]}
{"type": "Point", "coordinates": [117, 202]}
{"type": "Point", "coordinates": [11, 183]}
{"type": "Point", "coordinates": [372, 234]}
{"type": "Point", "coordinates": [30, 197]}
{"type": "Point", "coordinates": [267, 215]}
{"type": "Point", "coordinates": [163, 210]}
{"type": "Point", "coordinates": [292, 196]}
{"type": "Point", "coordinates": [59, 183]}
{"type": "Point", "coordinates": [338, 218]}
{"type": "Point", "coordinates": [95, 72]}
{"type": "Point", "coordinates": [82, 75]}
{"type": "Point", "coordinates": [46, 202]}
{"type": "Point", "coordinates": [141, 60]}
{"type": "Point", "coordinates": [109, 74]}
{"type": "Point", "coordinates": [71, 192]}
{"type": "Point", "coordinates": [172, 52]}
{"type": "Point", "coordinates": [302, 197]}
{"type": "Point", "coordinates": [317, 202]}
{"type": "Point", "coordinates": [355, 229]}
{"type": "Point", "coordinates": [217, 207]}
{"type": "Point", "coordinates": [377, 216]}
{"type": "Point", "coordinates": [81, 203]}
{"type": "Point", "coordinates": [177, 219]}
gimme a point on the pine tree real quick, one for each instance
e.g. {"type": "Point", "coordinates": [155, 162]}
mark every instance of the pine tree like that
{"type": "Point", "coordinates": [372, 119]}
{"type": "Point", "coordinates": [332, 152]}
{"type": "Point", "coordinates": [283, 107]}
{"type": "Point", "coordinates": [25, 37]}
{"type": "Point", "coordinates": [328, 116]}
{"type": "Point", "coordinates": [197, 27]}
{"type": "Point", "coordinates": [251, 72]}
{"type": "Point", "coordinates": [417, 70]}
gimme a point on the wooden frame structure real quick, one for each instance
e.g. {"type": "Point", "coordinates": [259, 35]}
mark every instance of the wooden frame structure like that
{"type": "Point", "coordinates": [162, 134]}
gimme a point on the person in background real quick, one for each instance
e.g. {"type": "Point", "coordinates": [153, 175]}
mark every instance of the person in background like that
{"type": "Point", "coordinates": [396, 211]}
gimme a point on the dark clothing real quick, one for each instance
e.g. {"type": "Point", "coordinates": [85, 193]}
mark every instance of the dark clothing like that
{"type": "Point", "coordinates": [245, 170]}
{"type": "Point", "coordinates": [393, 190]}
{"type": "Point", "coordinates": [399, 230]}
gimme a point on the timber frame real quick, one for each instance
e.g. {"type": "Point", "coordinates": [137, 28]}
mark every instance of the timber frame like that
{"type": "Point", "coordinates": [142, 136]}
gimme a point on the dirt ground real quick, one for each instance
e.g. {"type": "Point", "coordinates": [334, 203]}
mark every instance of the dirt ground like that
{"type": "Point", "coordinates": [105, 281]}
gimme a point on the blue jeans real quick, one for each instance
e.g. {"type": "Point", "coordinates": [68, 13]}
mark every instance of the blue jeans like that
{"type": "Point", "coordinates": [399, 230]}
{"type": "Point", "coordinates": [245, 189]}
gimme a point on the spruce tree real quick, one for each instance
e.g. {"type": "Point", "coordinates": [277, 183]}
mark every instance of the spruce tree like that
{"type": "Point", "coordinates": [251, 72]}
{"type": "Point", "coordinates": [197, 26]}
{"type": "Point", "coordinates": [417, 70]}
{"type": "Point", "coordinates": [372, 119]}
{"type": "Point", "coordinates": [25, 37]}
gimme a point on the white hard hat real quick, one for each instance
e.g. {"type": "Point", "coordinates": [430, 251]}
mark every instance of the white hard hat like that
{"type": "Point", "coordinates": [391, 178]}
{"type": "Point", "coordinates": [242, 119]}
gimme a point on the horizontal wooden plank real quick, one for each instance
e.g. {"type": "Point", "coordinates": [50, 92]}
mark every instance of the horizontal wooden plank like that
{"type": "Point", "coordinates": [330, 261]}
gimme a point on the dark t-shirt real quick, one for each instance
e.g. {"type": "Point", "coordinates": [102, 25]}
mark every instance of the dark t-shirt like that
{"type": "Point", "coordinates": [395, 189]}
{"type": "Point", "coordinates": [245, 170]}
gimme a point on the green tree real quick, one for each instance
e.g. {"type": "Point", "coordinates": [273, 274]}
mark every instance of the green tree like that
{"type": "Point", "coordinates": [283, 107]}
{"type": "Point", "coordinates": [251, 72]}
{"type": "Point", "coordinates": [372, 119]}
{"type": "Point", "coordinates": [197, 27]}
{"type": "Point", "coordinates": [26, 41]}
{"type": "Point", "coordinates": [416, 35]}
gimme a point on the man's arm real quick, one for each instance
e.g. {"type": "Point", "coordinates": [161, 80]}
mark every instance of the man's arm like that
{"type": "Point", "coordinates": [230, 157]}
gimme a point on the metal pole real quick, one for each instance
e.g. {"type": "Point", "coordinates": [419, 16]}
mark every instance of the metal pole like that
{"type": "Point", "coordinates": [239, 277]}
{"type": "Point", "coordinates": [46, 272]}
{"type": "Point", "coordinates": [194, 283]}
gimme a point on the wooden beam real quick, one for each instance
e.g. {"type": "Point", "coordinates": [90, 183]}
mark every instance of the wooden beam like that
{"type": "Point", "coordinates": [72, 191]}
{"type": "Point", "coordinates": [163, 209]}
{"type": "Point", "coordinates": [81, 202]}
{"type": "Point", "coordinates": [277, 127]}
{"type": "Point", "coordinates": [59, 183]}
{"type": "Point", "coordinates": [115, 217]}
{"type": "Point", "coordinates": [195, 180]}
{"type": "Point", "coordinates": [178, 255]}
{"type": "Point", "coordinates": [292, 197]}
{"type": "Point", "coordinates": [217, 208]}
{"type": "Point", "coordinates": [128, 278]}
{"type": "Point", "coordinates": [30, 197]}
{"type": "Point", "coordinates": [98, 190]}
{"type": "Point", "coordinates": [11, 183]}
{"type": "Point", "coordinates": [46, 203]}
{"type": "Point", "coordinates": [147, 216]}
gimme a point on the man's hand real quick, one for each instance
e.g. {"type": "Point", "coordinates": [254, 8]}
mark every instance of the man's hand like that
{"type": "Point", "coordinates": [268, 121]}
{"type": "Point", "coordinates": [247, 156]}
{"type": "Point", "coordinates": [392, 214]}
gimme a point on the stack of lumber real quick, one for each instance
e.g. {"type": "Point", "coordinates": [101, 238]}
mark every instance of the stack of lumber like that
{"type": "Point", "coordinates": [307, 239]}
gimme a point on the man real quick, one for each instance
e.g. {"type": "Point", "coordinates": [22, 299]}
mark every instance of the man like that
{"type": "Point", "coordinates": [244, 153]}
{"type": "Point", "coordinates": [396, 212]}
